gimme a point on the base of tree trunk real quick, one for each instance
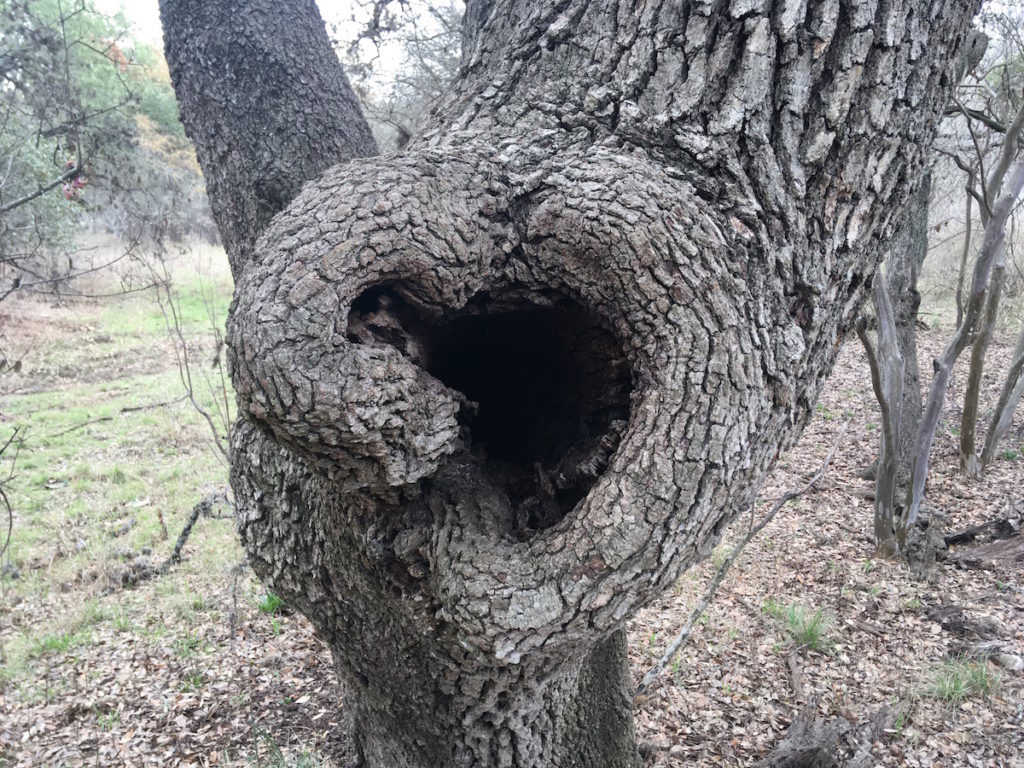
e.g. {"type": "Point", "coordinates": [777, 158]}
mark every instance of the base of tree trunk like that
{"type": "Point", "coordinates": [925, 545]}
{"type": "Point", "coordinates": [814, 742]}
{"type": "Point", "coordinates": [578, 715]}
{"type": "Point", "coordinates": [418, 691]}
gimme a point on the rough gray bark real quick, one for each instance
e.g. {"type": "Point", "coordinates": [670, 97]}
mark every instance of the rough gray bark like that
{"type": "Point", "coordinates": [499, 391]}
{"type": "Point", "coordinates": [265, 101]}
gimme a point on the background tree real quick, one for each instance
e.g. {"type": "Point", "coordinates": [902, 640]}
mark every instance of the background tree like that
{"type": "Point", "coordinates": [982, 139]}
{"type": "Point", "coordinates": [426, 37]}
{"type": "Point", "coordinates": [995, 121]}
{"type": "Point", "coordinates": [894, 524]}
{"type": "Point", "coordinates": [89, 140]}
{"type": "Point", "coordinates": [498, 391]}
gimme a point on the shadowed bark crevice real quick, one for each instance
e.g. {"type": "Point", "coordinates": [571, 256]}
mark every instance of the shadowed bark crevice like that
{"type": "Point", "coordinates": [546, 387]}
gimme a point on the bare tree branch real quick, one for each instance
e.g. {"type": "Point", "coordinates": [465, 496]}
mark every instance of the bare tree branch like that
{"type": "Point", "coordinates": [966, 252]}
{"type": "Point", "coordinates": [1009, 398]}
{"type": "Point", "coordinates": [723, 569]}
{"type": "Point", "coordinates": [68, 175]}
{"type": "Point", "coordinates": [992, 246]}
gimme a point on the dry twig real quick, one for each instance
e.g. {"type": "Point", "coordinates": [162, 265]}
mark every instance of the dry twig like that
{"type": "Point", "coordinates": [204, 507]}
{"type": "Point", "coordinates": [723, 569]}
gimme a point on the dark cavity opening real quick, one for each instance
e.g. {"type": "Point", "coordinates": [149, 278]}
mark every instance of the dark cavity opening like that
{"type": "Point", "coordinates": [549, 389]}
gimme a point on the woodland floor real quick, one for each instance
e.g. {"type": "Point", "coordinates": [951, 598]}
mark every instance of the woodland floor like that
{"type": "Point", "coordinates": [199, 667]}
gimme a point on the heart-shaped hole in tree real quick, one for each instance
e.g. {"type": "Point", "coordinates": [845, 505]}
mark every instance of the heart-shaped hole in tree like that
{"type": "Point", "coordinates": [549, 387]}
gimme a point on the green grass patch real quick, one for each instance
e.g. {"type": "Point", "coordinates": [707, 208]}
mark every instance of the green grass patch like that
{"type": "Point", "coordinates": [274, 757]}
{"type": "Point", "coordinates": [189, 645]}
{"type": "Point", "coordinates": [270, 603]}
{"type": "Point", "coordinates": [806, 628]}
{"type": "Point", "coordinates": [110, 447]}
{"type": "Point", "coordinates": [957, 680]}
{"type": "Point", "coordinates": [200, 302]}
{"type": "Point", "coordinates": [193, 681]}
{"type": "Point", "coordinates": [53, 643]}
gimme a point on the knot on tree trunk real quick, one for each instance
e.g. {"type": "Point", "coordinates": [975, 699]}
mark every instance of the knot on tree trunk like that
{"type": "Point", "coordinates": [496, 393]}
{"type": "Point", "coordinates": [543, 355]}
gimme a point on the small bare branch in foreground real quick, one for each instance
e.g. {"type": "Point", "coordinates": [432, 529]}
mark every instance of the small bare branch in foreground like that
{"type": "Point", "coordinates": [723, 569]}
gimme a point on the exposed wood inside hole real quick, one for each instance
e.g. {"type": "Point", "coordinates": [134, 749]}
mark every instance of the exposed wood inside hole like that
{"type": "Point", "coordinates": [548, 389]}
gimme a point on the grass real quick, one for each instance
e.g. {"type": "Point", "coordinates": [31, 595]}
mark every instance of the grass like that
{"type": "Point", "coordinates": [270, 603]}
{"type": "Point", "coordinates": [54, 643]}
{"type": "Point", "coordinates": [189, 645]}
{"type": "Point", "coordinates": [806, 628]}
{"type": "Point", "coordinates": [108, 721]}
{"type": "Point", "coordinates": [720, 554]}
{"type": "Point", "coordinates": [110, 446]}
{"type": "Point", "coordinates": [274, 757]}
{"type": "Point", "coordinates": [956, 680]}
{"type": "Point", "coordinates": [899, 724]}
{"type": "Point", "coordinates": [193, 681]}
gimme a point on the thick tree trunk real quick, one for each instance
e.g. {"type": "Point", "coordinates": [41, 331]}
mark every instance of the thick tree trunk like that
{"type": "Point", "coordinates": [499, 391]}
{"type": "Point", "coordinates": [419, 694]}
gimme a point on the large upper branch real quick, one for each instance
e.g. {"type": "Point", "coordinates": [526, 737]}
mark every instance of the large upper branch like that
{"type": "Point", "coordinates": [266, 101]}
{"type": "Point", "coordinates": [803, 107]}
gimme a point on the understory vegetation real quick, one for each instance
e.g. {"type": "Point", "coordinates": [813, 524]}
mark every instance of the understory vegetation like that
{"type": "Point", "coordinates": [104, 660]}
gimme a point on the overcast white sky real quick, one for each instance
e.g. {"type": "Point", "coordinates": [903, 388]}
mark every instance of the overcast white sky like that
{"type": "Point", "coordinates": [144, 15]}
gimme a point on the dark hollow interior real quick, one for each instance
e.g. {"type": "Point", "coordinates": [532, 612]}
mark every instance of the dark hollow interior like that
{"type": "Point", "coordinates": [550, 388]}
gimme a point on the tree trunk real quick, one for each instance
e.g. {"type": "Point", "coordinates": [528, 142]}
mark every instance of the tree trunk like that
{"type": "Point", "coordinates": [904, 266]}
{"type": "Point", "coordinates": [1009, 397]}
{"type": "Point", "coordinates": [887, 371]}
{"type": "Point", "coordinates": [965, 251]}
{"type": "Point", "coordinates": [497, 392]}
{"type": "Point", "coordinates": [264, 99]}
{"type": "Point", "coordinates": [981, 336]}
{"type": "Point", "coordinates": [992, 253]}
{"type": "Point", "coordinates": [418, 692]}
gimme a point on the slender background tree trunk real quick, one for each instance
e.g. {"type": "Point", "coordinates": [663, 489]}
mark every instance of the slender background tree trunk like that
{"type": "Point", "coordinates": [903, 269]}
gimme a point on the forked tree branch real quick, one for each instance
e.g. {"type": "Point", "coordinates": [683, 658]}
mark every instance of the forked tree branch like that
{"type": "Point", "coordinates": [991, 249]}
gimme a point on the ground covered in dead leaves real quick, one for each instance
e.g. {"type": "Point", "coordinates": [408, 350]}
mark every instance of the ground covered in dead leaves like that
{"type": "Point", "coordinates": [888, 637]}
{"type": "Point", "coordinates": [196, 667]}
